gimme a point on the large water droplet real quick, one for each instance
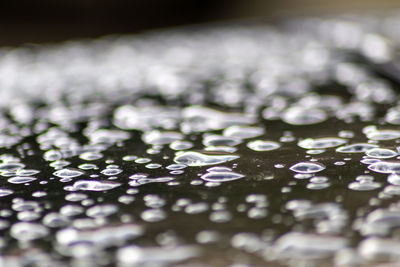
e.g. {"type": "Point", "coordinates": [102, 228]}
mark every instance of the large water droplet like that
{"type": "Point", "coordinates": [381, 153]}
{"type": "Point", "coordinates": [321, 143]}
{"type": "Point", "coordinates": [161, 138]}
{"type": "Point", "coordinates": [201, 159]}
{"type": "Point", "coordinates": [243, 132]}
{"type": "Point", "coordinates": [379, 135]}
{"type": "Point", "coordinates": [308, 246]}
{"type": "Point", "coordinates": [356, 148]}
{"type": "Point", "coordinates": [307, 167]}
{"type": "Point", "coordinates": [93, 185]}
{"type": "Point", "coordinates": [260, 145]}
{"type": "Point", "coordinates": [11, 166]}
{"type": "Point", "coordinates": [24, 231]}
{"type": "Point", "coordinates": [21, 179]}
{"type": "Point", "coordinates": [5, 192]}
{"type": "Point", "coordinates": [154, 256]}
{"type": "Point", "coordinates": [219, 140]}
{"type": "Point", "coordinates": [304, 116]}
{"type": "Point", "coordinates": [221, 176]}
{"type": "Point", "coordinates": [68, 173]}
{"type": "Point", "coordinates": [199, 119]}
{"type": "Point", "coordinates": [385, 167]}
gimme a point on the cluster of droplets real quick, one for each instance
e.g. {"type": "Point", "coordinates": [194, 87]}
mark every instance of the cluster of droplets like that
{"type": "Point", "coordinates": [124, 150]}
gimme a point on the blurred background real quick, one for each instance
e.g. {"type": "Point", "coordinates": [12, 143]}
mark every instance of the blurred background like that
{"type": "Point", "coordinates": [41, 21]}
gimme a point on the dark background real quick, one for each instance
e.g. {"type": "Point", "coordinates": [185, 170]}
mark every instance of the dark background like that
{"type": "Point", "coordinates": [56, 20]}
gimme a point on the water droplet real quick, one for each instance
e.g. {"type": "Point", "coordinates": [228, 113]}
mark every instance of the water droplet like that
{"type": "Point", "coordinates": [196, 208]}
{"type": "Point", "coordinates": [25, 231]}
{"type": "Point", "coordinates": [11, 166]}
{"type": "Point", "coordinates": [379, 249]}
{"type": "Point", "coordinates": [100, 237]}
{"type": "Point", "coordinates": [93, 185]}
{"type": "Point", "coordinates": [91, 155]}
{"type": "Point", "coordinates": [153, 215]}
{"type": "Point", "coordinates": [137, 181]}
{"type": "Point", "coordinates": [219, 140]}
{"type": "Point", "coordinates": [161, 138]}
{"type": "Point", "coordinates": [260, 145]}
{"type": "Point", "coordinates": [68, 173]}
{"type": "Point", "coordinates": [52, 155]}
{"type": "Point", "coordinates": [181, 145]}
{"type": "Point", "coordinates": [364, 186]}
{"type": "Point", "coordinates": [356, 148]}
{"type": "Point", "coordinates": [142, 118]}
{"type": "Point", "coordinates": [303, 116]}
{"type": "Point", "coordinates": [307, 167]}
{"type": "Point", "coordinates": [221, 176]}
{"type": "Point", "coordinates": [200, 119]}
{"type": "Point", "coordinates": [101, 211]}
{"type": "Point", "coordinates": [307, 246]}
{"type": "Point", "coordinates": [21, 179]}
{"type": "Point", "coordinates": [321, 143]}
{"type": "Point", "coordinates": [88, 166]}
{"type": "Point", "coordinates": [385, 167]}
{"type": "Point", "coordinates": [55, 219]}
{"type": "Point", "coordinates": [394, 179]}
{"type": "Point", "coordinates": [5, 192]}
{"type": "Point", "coordinates": [381, 153]}
{"type": "Point", "coordinates": [75, 197]}
{"type": "Point", "coordinates": [111, 171]}
{"type": "Point", "coordinates": [155, 256]}
{"type": "Point", "coordinates": [243, 132]}
{"type": "Point", "coordinates": [25, 172]}
{"type": "Point", "coordinates": [380, 135]}
{"type": "Point", "coordinates": [201, 159]}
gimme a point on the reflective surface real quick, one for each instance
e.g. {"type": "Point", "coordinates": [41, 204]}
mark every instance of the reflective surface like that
{"type": "Point", "coordinates": [236, 144]}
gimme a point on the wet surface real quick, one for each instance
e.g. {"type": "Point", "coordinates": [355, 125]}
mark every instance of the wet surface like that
{"type": "Point", "coordinates": [253, 145]}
